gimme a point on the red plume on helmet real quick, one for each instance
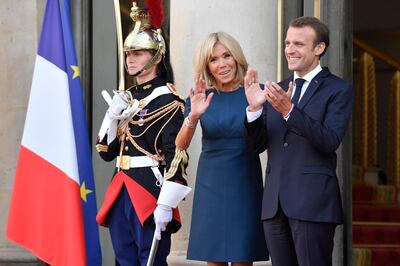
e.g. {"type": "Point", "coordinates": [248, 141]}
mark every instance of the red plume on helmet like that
{"type": "Point", "coordinates": [156, 12]}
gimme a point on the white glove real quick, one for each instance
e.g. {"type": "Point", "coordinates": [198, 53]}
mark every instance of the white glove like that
{"type": "Point", "coordinates": [120, 102]}
{"type": "Point", "coordinates": [117, 104]}
{"type": "Point", "coordinates": [162, 216]}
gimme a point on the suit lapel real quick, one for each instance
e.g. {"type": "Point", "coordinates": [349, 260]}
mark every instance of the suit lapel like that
{"type": "Point", "coordinates": [313, 86]}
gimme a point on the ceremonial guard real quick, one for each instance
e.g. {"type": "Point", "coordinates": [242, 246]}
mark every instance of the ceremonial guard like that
{"type": "Point", "coordinates": [139, 130]}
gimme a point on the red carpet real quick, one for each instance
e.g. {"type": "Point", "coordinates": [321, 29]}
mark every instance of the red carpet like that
{"type": "Point", "coordinates": [376, 234]}
{"type": "Point", "coordinates": [385, 256]}
{"type": "Point", "coordinates": [376, 226]}
{"type": "Point", "coordinates": [376, 213]}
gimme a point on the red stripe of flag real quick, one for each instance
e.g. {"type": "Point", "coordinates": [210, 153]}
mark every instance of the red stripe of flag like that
{"type": "Point", "coordinates": [45, 212]}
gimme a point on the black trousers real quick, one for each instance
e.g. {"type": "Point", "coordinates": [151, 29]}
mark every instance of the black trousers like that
{"type": "Point", "coordinates": [293, 242]}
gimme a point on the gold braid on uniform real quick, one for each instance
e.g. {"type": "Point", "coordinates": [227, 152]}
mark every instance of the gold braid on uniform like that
{"type": "Point", "coordinates": [180, 159]}
{"type": "Point", "coordinates": [157, 115]}
{"type": "Point", "coordinates": [154, 117]}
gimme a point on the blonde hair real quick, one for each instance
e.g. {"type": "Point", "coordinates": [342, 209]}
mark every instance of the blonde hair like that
{"type": "Point", "coordinates": [203, 55]}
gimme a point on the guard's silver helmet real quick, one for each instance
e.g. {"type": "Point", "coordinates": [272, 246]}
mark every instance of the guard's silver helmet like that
{"type": "Point", "coordinates": [143, 36]}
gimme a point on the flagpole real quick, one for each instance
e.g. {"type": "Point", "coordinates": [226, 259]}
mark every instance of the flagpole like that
{"type": "Point", "coordinates": [121, 68]}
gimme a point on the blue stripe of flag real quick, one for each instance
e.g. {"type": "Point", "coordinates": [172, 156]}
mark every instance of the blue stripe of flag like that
{"type": "Point", "coordinates": [51, 44]}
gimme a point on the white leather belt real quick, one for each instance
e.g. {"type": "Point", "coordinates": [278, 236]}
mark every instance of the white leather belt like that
{"type": "Point", "coordinates": [126, 162]}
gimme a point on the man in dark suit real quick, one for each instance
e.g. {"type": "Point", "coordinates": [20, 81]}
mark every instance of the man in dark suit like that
{"type": "Point", "coordinates": [301, 132]}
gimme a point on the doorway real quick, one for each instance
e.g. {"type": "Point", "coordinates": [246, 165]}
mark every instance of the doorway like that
{"type": "Point", "coordinates": [376, 133]}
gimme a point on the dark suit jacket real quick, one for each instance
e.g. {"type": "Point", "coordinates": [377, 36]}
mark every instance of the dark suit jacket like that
{"type": "Point", "coordinates": [301, 169]}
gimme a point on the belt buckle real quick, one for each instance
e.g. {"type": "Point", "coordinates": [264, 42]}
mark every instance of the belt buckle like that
{"type": "Point", "coordinates": [125, 162]}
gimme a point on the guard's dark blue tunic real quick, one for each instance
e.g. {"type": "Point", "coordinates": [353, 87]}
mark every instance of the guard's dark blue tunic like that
{"type": "Point", "coordinates": [131, 198]}
{"type": "Point", "coordinates": [226, 219]}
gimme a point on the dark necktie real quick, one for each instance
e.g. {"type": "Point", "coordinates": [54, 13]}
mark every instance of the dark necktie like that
{"type": "Point", "coordinates": [299, 84]}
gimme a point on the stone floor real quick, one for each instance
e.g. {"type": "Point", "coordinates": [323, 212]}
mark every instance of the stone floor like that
{"type": "Point", "coordinates": [179, 259]}
{"type": "Point", "coordinates": [17, 257]}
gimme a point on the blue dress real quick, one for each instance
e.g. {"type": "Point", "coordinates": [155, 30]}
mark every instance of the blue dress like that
{"type": "Point", "coordinates": [226, 217]}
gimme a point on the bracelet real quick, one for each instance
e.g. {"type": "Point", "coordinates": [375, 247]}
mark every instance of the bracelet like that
{"type": "Point", "coordinates": [189, 123]}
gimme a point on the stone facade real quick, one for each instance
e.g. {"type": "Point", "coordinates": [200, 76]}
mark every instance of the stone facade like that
{"type": "Point", "coordinates": [254, 25]}
{"type": "Point", "coordinates": [20, 23]}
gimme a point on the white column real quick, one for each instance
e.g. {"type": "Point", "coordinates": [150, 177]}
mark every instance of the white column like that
{"type": "Point", "coordinates": [20, 29]}
{"type": "Point", "coordinates": [252, 23]}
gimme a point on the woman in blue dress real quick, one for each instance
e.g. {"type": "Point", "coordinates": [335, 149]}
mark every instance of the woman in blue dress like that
{"type": "Point", "coordinates": [226, 217]}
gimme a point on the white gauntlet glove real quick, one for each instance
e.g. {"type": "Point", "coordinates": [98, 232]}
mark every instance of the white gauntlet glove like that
{"type": "Point", "coordinates": [162, 216]}
{"type": "Point", "coordinates": [170, 195]}
{"type": "Point", "coordinates": [119, 103]}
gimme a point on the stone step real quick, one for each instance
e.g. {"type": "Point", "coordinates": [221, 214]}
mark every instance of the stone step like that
{"type": "Point", "coordinates": [18, 257]}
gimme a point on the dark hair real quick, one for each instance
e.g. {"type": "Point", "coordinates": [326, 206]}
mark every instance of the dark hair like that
{"type": "Point", "coordinates": [320, 28]}
{"type": "Point", "coordinates": [164, 68]}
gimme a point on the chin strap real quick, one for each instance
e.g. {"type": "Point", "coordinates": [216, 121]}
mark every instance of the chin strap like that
{"type": "Point", "coordinates": [149, 64]}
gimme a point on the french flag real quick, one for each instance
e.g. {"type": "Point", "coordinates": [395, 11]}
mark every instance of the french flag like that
{"type": "Point", "coordinates": [53, 205]}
